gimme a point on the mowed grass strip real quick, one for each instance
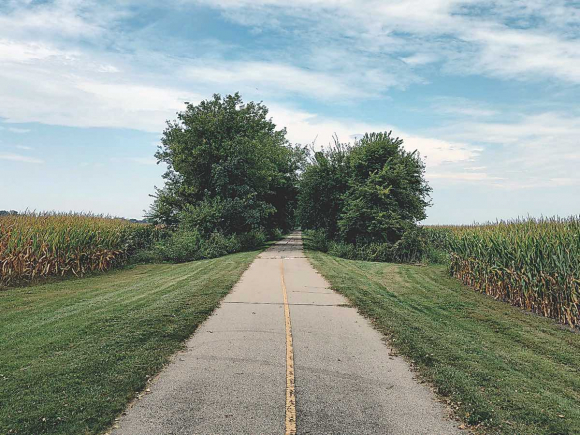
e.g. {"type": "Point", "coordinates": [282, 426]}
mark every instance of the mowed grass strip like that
{"type": "Point", "coordinates": [74, 353]}
{"type": "Point", "coordinates": [505, 370]}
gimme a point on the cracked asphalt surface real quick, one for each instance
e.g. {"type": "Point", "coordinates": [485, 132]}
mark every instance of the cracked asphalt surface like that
{"type": "Point", "coordinates": [231, 379]}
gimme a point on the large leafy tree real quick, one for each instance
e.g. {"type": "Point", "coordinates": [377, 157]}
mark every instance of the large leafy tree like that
{"type": "Point", "coordinates": [387, 192]}
{"type": "Point", "coordinates": [373, 191]}
{"type": "Point", "coordinates": [229, 169]}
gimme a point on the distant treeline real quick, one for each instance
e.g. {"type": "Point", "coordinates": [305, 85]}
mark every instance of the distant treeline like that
{"type": "Point", "coordinates": [231, 173]}
{"type": "Point", "coordinates": [233, 181]}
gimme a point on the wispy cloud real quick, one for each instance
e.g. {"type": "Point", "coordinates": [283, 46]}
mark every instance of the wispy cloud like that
{"type": "Point", "coordinates": [463, 176]}
{"type": "Point", "coordinates": [274, 79]}
{"type": "Point", "coordinates": [462, 107]}
{"type": "Point", "coordinates": [306, 128]}
{"type": "Point", "coordinates": [531, 151]}
{"type": "Point", "coordinates": [501, 38]}
{"type": "Point", "coordinates": [18, 130]}
{"type": "Point", "coordinates": [341, 50]}
{"type": "Point", "coordinates": [19, 158]}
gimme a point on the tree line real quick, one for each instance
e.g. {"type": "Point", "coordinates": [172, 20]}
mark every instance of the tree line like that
{"type": "Point", "coordinates": [233, 176]}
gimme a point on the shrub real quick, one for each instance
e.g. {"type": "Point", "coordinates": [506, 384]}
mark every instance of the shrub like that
{"type": "Point", "coordinates": [412, 247]}
{"type": "Point", "coordinates": [180, 246]}
{"type": "Point", "coordinates": [141, 237]}
{"type": "Point", "coordinates": [188, 245]}
{"type": "Point", "coordinates": [218, 245]}
{"type": "Point", "coordinates": [317, 240]}
{"type": "Point", "coordinates": [276, 234]}
{"type": "Point", "coordinates": [252, 239]}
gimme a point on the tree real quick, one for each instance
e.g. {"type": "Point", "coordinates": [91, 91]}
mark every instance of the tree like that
{"type": "Point", "coordinates": [371, 192]}
{"type": "Point", "coordinates": [323, 184]}
{"type": "Point", "coordinates": [387, 192]}
{"type": "Point", "coordinates": [229, 169]}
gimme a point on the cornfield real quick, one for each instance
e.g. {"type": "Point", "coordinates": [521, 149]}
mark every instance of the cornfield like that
{"type": "Point", "coordinates": [40, 245]}
{"type": "Point", "coordinates": [531, 263]}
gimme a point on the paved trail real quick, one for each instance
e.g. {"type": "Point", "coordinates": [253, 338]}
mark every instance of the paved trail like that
{"type": "Point", "coordinates": [284, 353]}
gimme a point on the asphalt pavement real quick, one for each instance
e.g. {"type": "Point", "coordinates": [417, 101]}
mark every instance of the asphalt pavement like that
{"type": "Point", "coordinates": [285, 354]}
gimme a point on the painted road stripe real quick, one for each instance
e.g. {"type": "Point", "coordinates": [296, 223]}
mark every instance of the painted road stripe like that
{"type": "Point", "coordinates": [290, 390]}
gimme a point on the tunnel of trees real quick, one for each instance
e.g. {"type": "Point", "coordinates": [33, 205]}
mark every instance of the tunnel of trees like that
{"type": "Point", "coordinates": [233, 180]}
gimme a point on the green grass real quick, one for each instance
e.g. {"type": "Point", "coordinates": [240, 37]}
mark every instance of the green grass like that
{"type": "Point", "coordinates": [505, 370]}
{"type": "Point", "coordinates": [74, 353]}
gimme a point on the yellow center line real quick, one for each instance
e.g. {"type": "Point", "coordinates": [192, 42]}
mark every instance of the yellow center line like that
{"type": "Point", "coordinates": [290, 390]}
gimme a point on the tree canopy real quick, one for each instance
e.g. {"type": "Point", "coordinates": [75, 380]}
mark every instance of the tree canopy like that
{"type": "Point", "coordinates": [371, 192]}
{"type": "Point", "coordinates": [231, 172]}
{"type": "Point", "coordinates": [228, 169]}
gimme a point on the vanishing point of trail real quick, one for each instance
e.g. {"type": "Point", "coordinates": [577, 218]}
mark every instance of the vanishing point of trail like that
{"type": "Point", "coordinates": [285, 354]}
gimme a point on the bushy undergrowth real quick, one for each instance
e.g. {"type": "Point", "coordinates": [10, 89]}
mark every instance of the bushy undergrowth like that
{"type": "Point", "coordinates": [189, 245]}
{"type": "Point", "coordinates": [411, 248]}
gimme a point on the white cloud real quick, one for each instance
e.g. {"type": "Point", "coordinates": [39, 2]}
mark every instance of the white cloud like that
{"type": "Point", "coordinates": [469, 36]}
{"type": "Point", "coordinates": [533, 151]}
{"type": "Point", "coordinates": [517, 54]}
{"type": "Point", "coordinates": [569, 181]}
{"type": "Point", "coordinates": [345, 50]}
{"type": "Point", "coordinates": [305, 128]}
{"type": "Point", "coordinates": [462, 107]}
{"type": "Point", "coordinates": [462, 176]}
{"type": "Point", "coordinates": [60, 18]}
{"type": "Point", "coordinates": [22, 52]}
{"type": "Point", "coordinates": [18, 130]}
{"type": "Point", "coordinates": [68, 89]}
{"type": "Point", "coordinates": [19, 158]}
{"type": "Point", "coordinates": [420, 59]}
{"type": "Point", "coordinates": [339, 50]}
{"type": "Point", "coordinates": [273, 78]}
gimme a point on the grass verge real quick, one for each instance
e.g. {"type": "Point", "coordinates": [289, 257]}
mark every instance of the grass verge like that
{"type": "Point", "coordinates": [74, 353]}
{"type": "Point", "coordinates": [502, 369]}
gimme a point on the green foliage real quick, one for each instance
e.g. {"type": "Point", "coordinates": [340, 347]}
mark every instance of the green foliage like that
{"type": "Point", "coordinates": [229, 169]}
{"type": "Point", "coordinates": [275, 234]}
{"type": "Point", "coordinates": [316, 240]}
{"type": "Point", "coordinates": [224, 215]}
{"type": "Point", "coordinates": [387, 191]}
{"type": "Point", "coordinates": [366, 199]}
{"type": "Point", "coordinates": [188, 245]}
{"type": "Point", "coordinates": [323, 184]}
{"type": "Point", "coordinates": [412, 247]}
{"type": "Point", "coordinates": [142, 237]}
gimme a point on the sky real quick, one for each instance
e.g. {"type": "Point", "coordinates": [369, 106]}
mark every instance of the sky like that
{"type": "Point", "coordinates": [486, 90]}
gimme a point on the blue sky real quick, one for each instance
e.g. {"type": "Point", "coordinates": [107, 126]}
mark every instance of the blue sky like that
{"type": "Point", "coordinates": [486, 90]}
